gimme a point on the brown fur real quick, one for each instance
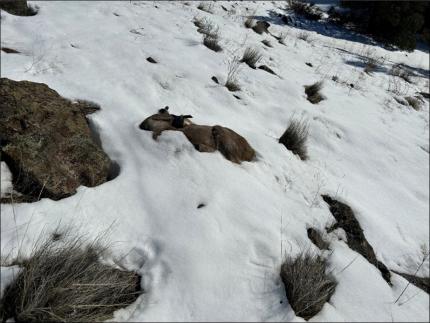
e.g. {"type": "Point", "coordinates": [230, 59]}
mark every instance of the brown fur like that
{"type": "Point", "coordinates": [204, 138]}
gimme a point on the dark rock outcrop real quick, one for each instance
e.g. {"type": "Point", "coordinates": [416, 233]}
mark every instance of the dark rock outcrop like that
{"type": "Point", "coordinates": [204, 138]}
{"type": "Point", "coordinates": [17, 7]}
{"type": "Point", "coordinates": [47, 142]}
{"type": "Point", "coordinates": [356, 240]}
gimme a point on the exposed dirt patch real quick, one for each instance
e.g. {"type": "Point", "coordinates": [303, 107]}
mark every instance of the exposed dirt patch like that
{"type": "Point", "coordinates": [356, 240]}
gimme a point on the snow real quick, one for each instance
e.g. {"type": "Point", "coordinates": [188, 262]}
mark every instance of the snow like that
{"type": "Point", "coordinates": [221, 262]}
{"type": "Point", "coordinates": [6, 179]}
{"type": "Point", "coordinates": [7, 275]}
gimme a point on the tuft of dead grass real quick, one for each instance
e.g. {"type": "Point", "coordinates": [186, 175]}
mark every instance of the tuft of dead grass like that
{"type": "Point", "coordinates": [295, 137]}
{"type": "Point", "coordinates": [206, 6]}
{"type": "Point", "coordinates": [400, 71]}
{"type": "Point", "coordinates": [249, 22]}
{"type": "Point", "coordinates": [307, 285]}
{"type": "Point", "coordinates": [251, 56]}
{"type": "Point", "coordinates": [414, 102]}
{"type": "Point", "coordinates": [232, 83]}
{"type": "Point", "coordinates": [211, 42]}
{"type": "Point", "coordinates": [64, 280]}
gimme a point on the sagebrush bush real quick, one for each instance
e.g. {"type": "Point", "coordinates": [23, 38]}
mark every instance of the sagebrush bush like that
{"type": "Point", "coordinates": [251, 56]}
{"type": "Point", "coordinates": [313, 92]}
{"type": "Point", "coordinates": [307, 285]}
{"type": "Point", "coordinates": [64, 280]}
{"type": "Point", "coordinates": [295, 137]}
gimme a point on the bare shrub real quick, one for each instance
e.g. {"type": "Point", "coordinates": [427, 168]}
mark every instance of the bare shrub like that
{"type": "Point", "coordinates": [414, 102]}
{"type": "Point", "coordinates": [63, 280]}
{"type": "Point", "coordinates": [206, 6]}
{"type": "Point", "coordinates": [313, 92]}
{"type": "Point", "coordinates": [307, 285]}
{"type": "Point", "coordinates": [295, 137]}
{"type": "Point", "coordinates": [232, 83]}
{"type": "Point", "coordinates": [251, 56]}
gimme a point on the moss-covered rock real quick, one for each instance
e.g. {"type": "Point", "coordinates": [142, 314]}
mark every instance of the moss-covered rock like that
{"type": "Point", "coordinates": [46, 141]}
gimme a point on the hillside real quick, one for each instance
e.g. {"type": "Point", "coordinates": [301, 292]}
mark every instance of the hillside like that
{"type": "Point", "coordinates": [208, 236]}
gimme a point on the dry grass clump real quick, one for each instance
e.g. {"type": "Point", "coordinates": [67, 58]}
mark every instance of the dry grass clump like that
{"type": "Point", "coordinates": [281, 38]}
{"type": "Point", "coordinates": [251, 56]}
{"type": "Point", "coordinates": [399, 71]}
{"type": "Point", "coordinates": [295, 137]}
{"type": "Point", "coordinates": [198, 21]}
{"type": "Point", "coordinates": [211, 42]}
{"type": "Point", "coordinates": [371, 60]}
{"type": "Point", "coordinates": [232, 83]}
{"type": "Point", "coordinates": [307, 285]}
{"type": "Point", "coordinates": [414, 102]}
{"type": "Point", "coordinates": [210, 33]}
{"type": "Point", "coordinates": [249, 22]}
{"type": "Point", "coordinates": [313, 92]}
{"type": "Point", "coordinates": [303, 35]}
{"type": "Point", "coordinates": [206, 6]}
{"type": "Point", "coordinates": [64, 280]}
{"type": "Point", "coordinates": [206, 27]}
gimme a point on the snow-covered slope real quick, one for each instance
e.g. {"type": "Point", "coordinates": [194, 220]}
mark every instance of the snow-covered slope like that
{"type": "Point", "coordinates": [222, 261]}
